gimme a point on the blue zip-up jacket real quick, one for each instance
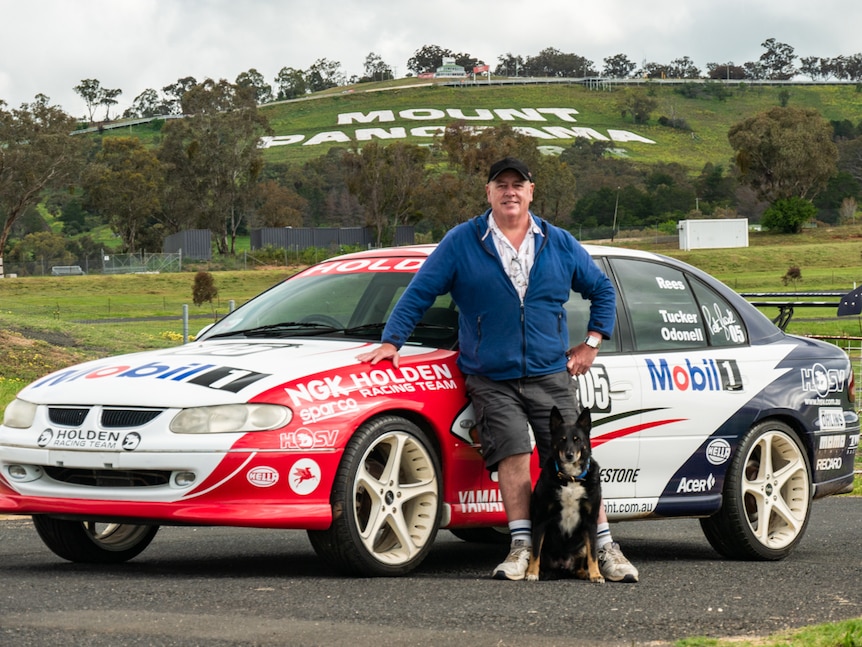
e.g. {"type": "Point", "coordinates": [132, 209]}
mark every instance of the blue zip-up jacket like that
{"type": "Point", "coordinates": [499, 337]}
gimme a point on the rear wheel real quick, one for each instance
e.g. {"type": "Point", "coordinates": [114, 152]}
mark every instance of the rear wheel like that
{"type": "Point", "coordinates": [767, 497]}
{"type": "Point", "coordinates": [93, 542]}
{"type": "Point", "coordinates": [385, 501]}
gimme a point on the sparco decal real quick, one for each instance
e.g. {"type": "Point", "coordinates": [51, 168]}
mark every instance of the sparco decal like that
{"type": "Point", "coordinates": [821, 380]}
{"type": "Point", "coordinates": [222, 378]}
{"type": "Point", "coordinates": [696, 485]}
{"type": "Point", "coordinates": [706, 375]}
{"type": "Point", "coordinates": [594, 389]}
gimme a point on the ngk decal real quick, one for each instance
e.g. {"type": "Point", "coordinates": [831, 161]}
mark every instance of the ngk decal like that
{"type": "Point", "coordinates": [703, 375]}
{"type": "Point", "coordinates": [331, 396]}
{"type": "Point", "coordinates": [304, 438]}
{"type": "Point", "coordinates": [594, 389]}
{"type": "Point", "coordinates": [821, 380]}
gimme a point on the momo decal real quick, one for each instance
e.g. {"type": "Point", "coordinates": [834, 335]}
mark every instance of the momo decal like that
{"type": "Point", "coordinates": [223, 378]}
{"type": "Point", "coordinates": [707, 375]}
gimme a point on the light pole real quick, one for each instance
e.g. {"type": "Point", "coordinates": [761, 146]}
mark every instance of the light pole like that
{"type": "Point", "coordinates": [616, 207]}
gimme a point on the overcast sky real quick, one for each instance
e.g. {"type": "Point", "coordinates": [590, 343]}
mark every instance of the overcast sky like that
{"type": "Point", "coordinates": [49, 46]}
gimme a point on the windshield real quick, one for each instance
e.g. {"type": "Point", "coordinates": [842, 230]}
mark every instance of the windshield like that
{"type": "Point", "coordinates": [348, 305]}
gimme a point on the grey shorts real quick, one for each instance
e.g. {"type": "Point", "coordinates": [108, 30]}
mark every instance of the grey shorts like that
{"type": "Point", "coordinates": [505, 410]}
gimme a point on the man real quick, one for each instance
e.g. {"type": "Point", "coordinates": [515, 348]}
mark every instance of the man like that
{"type": "Point", "coordinates": [510, 273]}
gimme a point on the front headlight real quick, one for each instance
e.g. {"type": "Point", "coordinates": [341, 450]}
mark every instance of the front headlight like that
{"type": "Point", "coordinates": [230, 418]}
{"type": "Point", "coordinates": [19, 414]}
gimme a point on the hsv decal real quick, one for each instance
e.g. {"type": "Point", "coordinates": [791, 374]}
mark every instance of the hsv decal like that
{"type": "Point", "coordinates": [821, 380]}
{"type": "Point", "coordinates": [304, 438]}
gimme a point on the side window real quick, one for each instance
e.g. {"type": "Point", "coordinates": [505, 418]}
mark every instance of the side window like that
{"type": "Point", "coordinates": [723, 324]}
{"type": "Point", "coordinates": [577, 318]}
{"type": "Point", "coordinates": [662, 308]}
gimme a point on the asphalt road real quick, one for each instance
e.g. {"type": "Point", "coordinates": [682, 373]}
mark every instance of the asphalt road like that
{"type": "Point", "coordinates": [224, 586]}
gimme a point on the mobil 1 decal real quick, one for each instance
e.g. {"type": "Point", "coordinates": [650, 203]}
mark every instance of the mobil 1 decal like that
{"type": "Point", "coordinates": [594, 389]}
{"type": "Point", "coordinates": [686, 374]}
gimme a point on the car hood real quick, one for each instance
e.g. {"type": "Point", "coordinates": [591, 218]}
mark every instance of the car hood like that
{"type": "Point", "coordinates": [197, 374]}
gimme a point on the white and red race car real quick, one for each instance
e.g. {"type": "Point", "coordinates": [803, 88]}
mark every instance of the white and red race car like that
{"type": "Point", "coordinates": [701, 408]}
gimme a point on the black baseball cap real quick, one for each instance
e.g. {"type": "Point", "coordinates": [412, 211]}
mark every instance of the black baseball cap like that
{"type": "Point", "coordinates": [509, 163]}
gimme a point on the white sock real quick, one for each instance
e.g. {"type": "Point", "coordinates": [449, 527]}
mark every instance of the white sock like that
{"type": "Point", "coordinates": [603, 536]}
{"type": "Point", "coordinates": [521, 530]}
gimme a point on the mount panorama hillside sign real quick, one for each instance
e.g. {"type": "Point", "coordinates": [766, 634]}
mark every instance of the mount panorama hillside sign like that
{"type": "Point", "coordinates": [544, 124]}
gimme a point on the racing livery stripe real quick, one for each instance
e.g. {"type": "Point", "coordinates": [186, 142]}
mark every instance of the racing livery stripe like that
{"type": "Point", "coordinates": [627, 431]}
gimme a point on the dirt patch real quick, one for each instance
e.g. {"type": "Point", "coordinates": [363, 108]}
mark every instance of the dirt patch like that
{"type": "Point", "coordinates": [28, 358]}
{"type": "Point", "coordinates": [53, 337]}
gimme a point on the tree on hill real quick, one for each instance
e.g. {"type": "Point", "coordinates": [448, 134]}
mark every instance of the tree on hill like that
{"type": "Point", "coordinates": [36, 153]}
{"type": "Point", "coordinates": [256, 83]}
{"type": "Point", "coordinates": [618, 66]}
{"type": "Point", "coordinates": [324, 74]}
{"type": "Point", "coordinates": [291, 84]}
{"type": "Point", "coordinates": [174, 94]}
{"type": "Point", "coordinates": [784, 153]}
{"type": "Point", "coordinates": [777, 60]}
{"type": "Point", "coordinates": [509, 65]}
{"type": "Point", "coordinates": [427, 59]}
{"type": "Point", "coordinates": [552, 62]}
{"type": "Point", "coordinates": [376, 69]}
{"type": "Point", "coordinates": [387, 181]}
{"type": "Point", "coordinates": [94, 95]}
{"type": "Point", "coordinates": [213, 159]}
{"type": "Point", "coordinates": [125, 184]}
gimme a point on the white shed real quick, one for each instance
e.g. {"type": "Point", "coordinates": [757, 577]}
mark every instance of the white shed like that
{"type": "Point", "coordinates": [713, 233]}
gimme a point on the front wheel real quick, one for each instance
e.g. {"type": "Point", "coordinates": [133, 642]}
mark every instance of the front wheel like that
{"type": "Point", "coordinates": [385, 501]}
{"type": "Point", "coordinates": [767, 497]}
{"type": "Point", "coordinates": [93, 542]}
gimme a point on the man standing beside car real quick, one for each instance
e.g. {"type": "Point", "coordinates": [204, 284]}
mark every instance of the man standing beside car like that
{"type": "Point", "coordinates": [510, 274]}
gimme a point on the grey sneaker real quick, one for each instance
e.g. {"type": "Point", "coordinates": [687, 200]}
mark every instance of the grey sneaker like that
{"type": "Point", "coordinates": [614, 565]}
{"type": "Point", "coordinates": [514, 567]}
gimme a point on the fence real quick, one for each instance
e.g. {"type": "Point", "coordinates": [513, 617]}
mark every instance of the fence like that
{"type": "Point", "coordinates": [103, 264]}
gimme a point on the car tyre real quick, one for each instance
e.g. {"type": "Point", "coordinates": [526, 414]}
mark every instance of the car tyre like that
{"type": "Point", "coordinates": [93, 542]}
{"type": "Point", "coordinates": [386, 501]}
{"type": "Point", "coordinates": [767, 496]}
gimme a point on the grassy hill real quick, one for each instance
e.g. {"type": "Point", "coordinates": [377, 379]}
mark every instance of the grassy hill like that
{"type": "Point", "coordinates": [315, 118]}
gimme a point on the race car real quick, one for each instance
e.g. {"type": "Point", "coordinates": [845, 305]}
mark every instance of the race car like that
{"type": "Point", "coordinates": [701, 408]}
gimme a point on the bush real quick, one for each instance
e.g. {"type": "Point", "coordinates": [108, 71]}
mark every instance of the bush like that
{"type": "Point", "coordinates": [204, 289]}
{"type": "Point", "coordinates": [788, 215]}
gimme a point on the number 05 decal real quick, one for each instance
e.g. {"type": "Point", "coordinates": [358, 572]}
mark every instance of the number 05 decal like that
{"type": "Point", "coordinates": [594, 389]}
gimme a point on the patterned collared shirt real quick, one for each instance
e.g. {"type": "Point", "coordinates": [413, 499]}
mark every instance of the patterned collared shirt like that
{"type": "Point", "coordinates": [516, 262]}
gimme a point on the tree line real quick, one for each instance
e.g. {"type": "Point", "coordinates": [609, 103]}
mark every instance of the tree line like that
{"type": "Point", "coordinates": [206, 171]}
{"type": "Point", "coordinates": [778, 62]}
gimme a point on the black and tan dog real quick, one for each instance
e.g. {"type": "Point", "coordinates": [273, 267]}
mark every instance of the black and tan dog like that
{"type": "Point", "coordinates": [564, 507]}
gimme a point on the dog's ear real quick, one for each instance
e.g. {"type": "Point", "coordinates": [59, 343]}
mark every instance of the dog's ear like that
{"type": "Point", "coordinates": [556, 419]}
{"type": "Point", "coordinates": [585, 421]}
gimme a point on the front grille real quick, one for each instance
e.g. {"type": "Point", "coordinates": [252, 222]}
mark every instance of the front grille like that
{"type": "Point", "coordinates": [67, 417]}
{"type": "Point", "coordinates": [109, 478]}
{"type": "Point", "coordinates": [112, 418]}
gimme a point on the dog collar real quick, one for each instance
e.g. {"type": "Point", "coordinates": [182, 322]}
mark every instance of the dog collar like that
{"type": "Point", "coordinates": [572, 479]}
